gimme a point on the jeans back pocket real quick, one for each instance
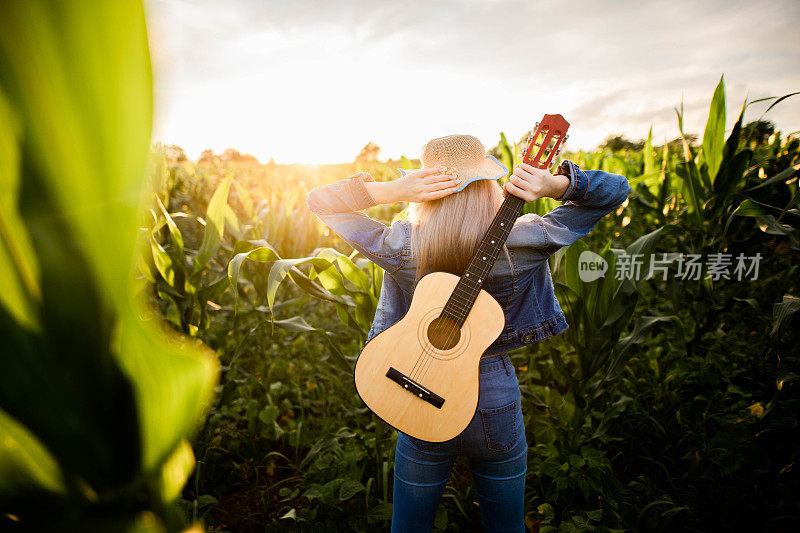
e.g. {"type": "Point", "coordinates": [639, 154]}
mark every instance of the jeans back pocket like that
{"type": "Point", "coordinates": [500, 426]}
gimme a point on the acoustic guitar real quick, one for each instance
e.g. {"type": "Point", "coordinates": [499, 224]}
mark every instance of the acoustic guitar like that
{"type": "Point", "coordinates": [420, 375]}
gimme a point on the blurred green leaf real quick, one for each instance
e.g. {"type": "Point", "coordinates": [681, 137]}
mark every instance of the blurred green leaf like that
{"type": "Point", "coordinates": [95, 368]}
{"type": "Point", "coordinates": [24, 463]}
{"type": "Point", "coordinates": [18, 269]}
{"type": "Point", "coordinates": [176, 470]}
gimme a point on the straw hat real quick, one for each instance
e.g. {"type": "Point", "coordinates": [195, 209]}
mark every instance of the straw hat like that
{"type": "Point", "coordinates": [464, 156]}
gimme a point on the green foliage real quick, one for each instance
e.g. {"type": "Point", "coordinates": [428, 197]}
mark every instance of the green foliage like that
{"type": "Point", "coordinates": [97, 403]}
{"type": "Point", "coordinates": [617, 143]}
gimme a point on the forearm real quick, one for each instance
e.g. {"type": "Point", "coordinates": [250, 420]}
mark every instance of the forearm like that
{"type": "Point", "coordinates": [339, 206]}
{"type": "Point", "coordinates": [384, 192]}
{"type": "Point", "coordinates": [591, 195]}
{"type": "Point", "coordinates": [593, 188]}
{"type": "Point", "coordinates": [347, 195]}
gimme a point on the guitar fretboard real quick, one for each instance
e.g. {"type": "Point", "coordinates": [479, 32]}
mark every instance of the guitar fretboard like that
{"type": "Point", "coordinates": [471, 282]}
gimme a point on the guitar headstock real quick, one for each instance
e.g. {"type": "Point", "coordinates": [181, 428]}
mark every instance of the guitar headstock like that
{"type": "Point", "coordinates": [545, 141]}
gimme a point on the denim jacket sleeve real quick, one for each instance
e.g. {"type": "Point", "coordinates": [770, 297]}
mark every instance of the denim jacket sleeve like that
{"type": "Point", "coordinates": [338, 205]}
{"type": "Point", "coordinates": [590, 196]}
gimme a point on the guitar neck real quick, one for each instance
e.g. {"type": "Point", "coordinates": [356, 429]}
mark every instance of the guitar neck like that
{"type": "Point", "coordinates": [482, 261]}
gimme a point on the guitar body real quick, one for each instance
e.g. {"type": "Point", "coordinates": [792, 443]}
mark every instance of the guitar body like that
{"type": "Point", "coordinates": [428, 392]}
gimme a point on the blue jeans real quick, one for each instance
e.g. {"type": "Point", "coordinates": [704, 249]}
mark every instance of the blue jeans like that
{"type": "Point", "coordinates": [495, 445]}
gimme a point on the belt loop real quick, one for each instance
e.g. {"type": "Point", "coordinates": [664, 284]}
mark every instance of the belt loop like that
{"type": "Point", "coordinates": [506, 364]}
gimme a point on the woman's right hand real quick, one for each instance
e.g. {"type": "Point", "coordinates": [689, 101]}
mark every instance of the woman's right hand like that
{"type": "Point", "coordinates": [531, 183]}
{"type": "Point", "coordinates": [425, 185]}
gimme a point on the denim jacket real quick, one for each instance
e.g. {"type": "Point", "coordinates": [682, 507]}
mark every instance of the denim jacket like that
{"type": "Point", "coordinates": [520, 279]}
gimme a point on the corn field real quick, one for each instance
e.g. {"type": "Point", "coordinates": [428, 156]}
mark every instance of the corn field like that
{"type": "Point", "coordinates": [180, 336]}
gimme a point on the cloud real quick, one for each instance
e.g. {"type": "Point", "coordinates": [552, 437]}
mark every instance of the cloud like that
{"type": "Point", "coordinates": [259, 73]}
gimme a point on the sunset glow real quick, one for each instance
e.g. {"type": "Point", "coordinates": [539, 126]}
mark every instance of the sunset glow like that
{"type": "Point", "coordinates": [315, 81]}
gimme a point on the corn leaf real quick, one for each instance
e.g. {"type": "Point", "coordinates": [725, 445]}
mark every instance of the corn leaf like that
{"type": "Point", "coordinates": [95, 368]}
{"type": "Point", "coordinates": [714, 136]}
{"type": "Point", "coordinates": [215, 225]}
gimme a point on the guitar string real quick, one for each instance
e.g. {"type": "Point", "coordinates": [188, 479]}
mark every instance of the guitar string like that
{"type": "Point", "coordinates": [482, 274]}
{"type": "Point", "coordinates": [456, 330]}
{"type": "Point", "coordinates": [427, 353]}
{"type": "Point", "coordinates": [452, 335]}
{"type": "Point", "coordinates": [424, 353]}
{"type": "Point", "coordinates": [428, 348]}
{"type": "Point", "coordinates": [419, 369]}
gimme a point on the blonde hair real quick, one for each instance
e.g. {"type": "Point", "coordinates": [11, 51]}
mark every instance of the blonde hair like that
{"type": "Point", "coordinates": [446, 231]}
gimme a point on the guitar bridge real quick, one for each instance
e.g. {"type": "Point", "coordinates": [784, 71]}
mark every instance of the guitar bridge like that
{"type": "Point", "coordinates": [414, 388]}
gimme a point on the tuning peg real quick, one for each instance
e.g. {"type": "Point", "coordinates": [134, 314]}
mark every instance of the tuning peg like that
{"type": "Point", "coordinates": [565, 138]}
{"type": "Point", "coordinates": [536, 126]}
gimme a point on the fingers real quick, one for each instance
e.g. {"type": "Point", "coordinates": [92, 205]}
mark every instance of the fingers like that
{"type": "Point", "coordinates": [519, 192]}
{"type": "Point", "coordinates": [432, 174]}
{"type": "Point", "coordinates": [524, 173]}
{"type": "Point", "coordinates": [435, 195]}
{"type": "Point", "coordinates": [532, 182]}
{"type": "Point", "coordinates": [429, 171]}
{"type": "Point", "coordinates": [533, 185]}
{"type": "Point", "coordinates": [529, 172]}
{"type": "Point", "coordinates": [437, 178]}
{"type": "Point", "coordinates": [519, 181]}
{"type": "Point", "coordinates": [444, 184]}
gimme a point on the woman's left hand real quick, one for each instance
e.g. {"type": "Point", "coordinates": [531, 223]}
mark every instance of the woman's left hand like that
{"type": "Point", "coordinates": [531, 183]}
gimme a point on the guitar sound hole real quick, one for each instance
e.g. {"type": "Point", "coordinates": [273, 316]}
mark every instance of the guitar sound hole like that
{"type": "Point", "coordinates": [443, 333]}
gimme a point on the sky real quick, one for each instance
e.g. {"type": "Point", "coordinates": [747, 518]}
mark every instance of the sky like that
{"type": "Point", "coordinates": [313, 81]}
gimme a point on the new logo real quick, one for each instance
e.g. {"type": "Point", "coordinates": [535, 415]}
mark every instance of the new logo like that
{"type": "Point", "coordinates": [591, 266]}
